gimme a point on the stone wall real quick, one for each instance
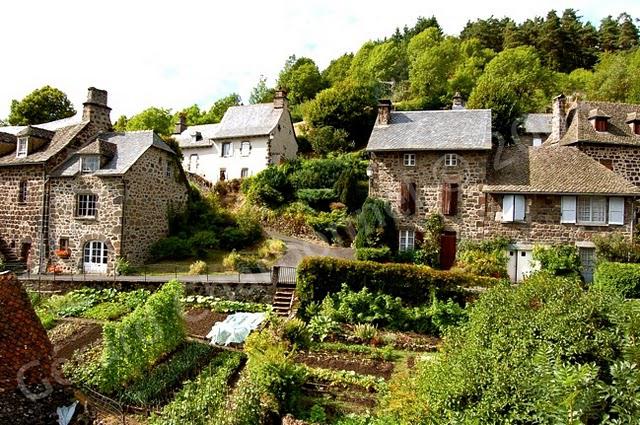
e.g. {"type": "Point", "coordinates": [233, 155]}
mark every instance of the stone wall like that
{"type": "Point", "coordinates": [625, 160]}
{"type": "Point", "coordinates": [150, 195]}
{"type": "Point", "coordinates": [429, 175]}
{"type": "Point", "coordinates": [542, 223]}
{"type": "Point", "coordinates": [105, 227]}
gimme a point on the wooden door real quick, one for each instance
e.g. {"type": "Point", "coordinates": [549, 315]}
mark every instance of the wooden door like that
{"type": "Point", "coordinates": [447, 250]}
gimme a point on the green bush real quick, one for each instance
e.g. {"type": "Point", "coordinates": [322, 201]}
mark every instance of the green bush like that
{"type": "Point", "coordinates": [270, 187]}
{"type": "Point", "coordinates": [351, 189]}
{"type": "Point", "coordinates": [106, 311]}
{"type": "Point", "coordinates": [317, 198]}
{"type": "Point", "coordinates": [134, 344]}
{"type": "Point", "coordinates": [616, 249]}
{"type": "Point", "coordinates": [320, 276]}
{"type": "Point", "coordinates": [623, 278]}
{"type": "Point", "coordinates": [380, 255]}
{"type": "Point", "coordinates": [331, 225]}
{"type": "Point", "coordinates": [123, 267]}
{"type": "Point", "coordinates": [295, 331]}
{"type": "Point", "coordinates": [321, 327]}
{"type": "Point", "coordinates": [492, 264]}
{"type": "Point", "coordinates": [559, 260]}
{"type": "Point", "coordinates": [365, 332]}
{"type": "Point", "coordinates": [204, 240]}
{"type": "Point", "coordinates": [241, 263]}
{"type": "Point", "coordinates": [173, 247]}
{"type": "Point", "coordinates": [376, 227]}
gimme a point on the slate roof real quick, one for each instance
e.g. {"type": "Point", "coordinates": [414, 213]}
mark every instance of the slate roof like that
{"type": "Point", "coordinates": [208, 132]}
{"type": "Point", "coordinates": [100, 146]}
{"type": "Point", "coordinates": [52, 125]}
{"type": "Point", "coordinates": [553, 170]}
{"type": "Point", "coordinates": [127, 147]}
{"type": "Point", "coordinates": [579, 129]}
{"type": "Point", "coordinates": [460, 129]}
{"type": "Point", "coordinates": [36, 132]}
{"type": "Point", "coordinates": [537, 123]}
{"type": "Point", "coordinates": [249, 120]}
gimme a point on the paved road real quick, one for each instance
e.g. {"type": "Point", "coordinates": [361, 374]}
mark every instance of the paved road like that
{"type": "Point", "coordinates": [297, 249]}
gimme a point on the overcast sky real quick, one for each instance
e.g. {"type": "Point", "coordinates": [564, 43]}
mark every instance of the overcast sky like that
{"type": "Point", "coordinates": [174, 54]}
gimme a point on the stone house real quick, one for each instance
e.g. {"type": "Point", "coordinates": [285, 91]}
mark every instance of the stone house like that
{"type": "Point", "coordinates": [75, 196]}
{"type": "Point", "coordinates": [535, 129]}
{"type": "Point", "coordinates": [247, 140]}
{"type": "Point", "coordinates": [444, 162]}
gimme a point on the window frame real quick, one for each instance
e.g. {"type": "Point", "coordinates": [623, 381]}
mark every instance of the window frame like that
{"type": "Point", "coordinates": [450, 160]}
{"type": "Point", "coordinates": [191, 162]}
{"type": "Point", "coordinates": [23, 188]}
{"type": "Point", "coordinates": [63, 243]}
{"type": "Point", "coordinates": [22, 147]}
{"type": "Point", "coordinates": [244, 173]}
{"type": "Point", "coordinates": [409, 239]}
{"type": "Point", "coordinates": [409, 159]}
{"type": "Point", "coordinates": [86, 159]}
{"type": "Point", "coordinates": [580, 204]}
{"type": "Point", "coordinates": [86, 203]}
{"type": "Point", "coordinates": [229, 150]}
{"type": "Point", "coordinates": [516, 200]}
{"type": "Point", "coordinates": [243, 149]}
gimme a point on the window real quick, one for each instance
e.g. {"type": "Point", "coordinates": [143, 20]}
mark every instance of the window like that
{"type": "Point", "coordinates": [591, 210]}
{"type": "Point", "coordinates": [197, 136]}
{"type": "Point", "coordinates": [63, 244]}
{"type": "Point", "coordinates": [193, 162]}
{"type": "Point", "coordinates": [226, 149]}
{"type": "Point", "coordinates": [408, 198]}
{"type": "Point", "coordinates": [407, 240]}
{"type": "Point", "coordinates": [245, 148]}
{"type": "Point", "coordinates": [86, 205]}
{"type": "Point", "coordinates": [636, 127]}
{"type": "Point", "coordinates": [450, 198]}
{"type": "Point", "coordinates": [513, 208]}
{"type": "Point", "coordinates": [22, 192]}
{"type": "Point", "coordinates": [601, 124]}
{"type": "Point", "coordinates": [244, 173]}
{"type": "Point", "coordinates": [23, 147]}
{"type": "Point", "coordinates": [223, 174]}
{"type": "Point", "coordinates": [90, 164]}
{"type": "Point", "coordinates": [588, 261]}
{"type": "Point", "coordinates": [168, 171]}
{"type": "Point", "coordinates": [537, 142]}
{"type": "Point", "coordinates": [410, 159]}
{"type": "Point", "coordinates": [450, 160]}
{"type": "Point", "coordinates": [616, 210]}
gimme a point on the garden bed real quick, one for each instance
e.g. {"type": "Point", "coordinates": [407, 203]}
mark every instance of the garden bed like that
{"type": "Point", "coordinates": [201, 320]}
{"type": "Point", "coordinates": [346, 361]}
{"type": "Point", "coordinates": [68, 337]}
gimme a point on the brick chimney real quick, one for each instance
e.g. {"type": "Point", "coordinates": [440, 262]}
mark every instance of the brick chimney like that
{"type": "Point", "coordinates": [458, 102]}
{"type": "Point", "coordinates": [559, 119]}
{"type": "Point", "coordinates": [181, 125]}
{"type": "Point", "coordinates": [280, 99]}
{"type": "Point", "coordinates": [384, 112]}
{"type": "Point", "coordinates": [96, 110]}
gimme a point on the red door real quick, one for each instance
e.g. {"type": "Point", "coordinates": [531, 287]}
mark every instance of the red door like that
{"type": "Point", "coordinates": [447, 250]}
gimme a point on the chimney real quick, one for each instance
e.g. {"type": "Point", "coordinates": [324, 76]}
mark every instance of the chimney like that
{"type": "Point", "coordinates": [458, 102]}
{"type": "Point", "coordinates": [280, 99]}
{"type": "Point", "coordinates": [559, 119]}
{"type": "Point", "coordinates": [181, 125]}
{"type": "Point", "coordinates": [96, 110]}
{"type": "Point", "coordinates": [384, 112]}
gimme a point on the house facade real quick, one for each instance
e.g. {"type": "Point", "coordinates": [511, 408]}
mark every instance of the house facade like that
{"type": "Point", "coordinates": [79, 196]}
{"type": "Point", "coordinates": [247, 140]}
{"type": "Point", "coordinates": [444, 162]}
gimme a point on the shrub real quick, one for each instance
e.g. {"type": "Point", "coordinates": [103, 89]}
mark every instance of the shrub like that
{"type": "Point", "coordinates": [321, 327]}
{"type": "Point", "coordinates": [380, 255]}
{"type": "Point", "coordinates": [199, 267]}
{"type": "Point", "coordinates": [327, 139]}
{"type": "Point", "coordinates": [272, 248]}
{"type": "Point", "coordinates": [615, 248]}
{"type": "Point", "coordinates": [349, 191]}
{"type": "Point", "coordinates": [173, 247]}
{"type": "Point", "coordinates": [320, 173]}
{"type": "Point", "coordinates": [376, 227]}
{"type": "Point", "coordinates": [320, 276]}
{"type": "Point", "coordinates": [270, 187]}
{"type": "Point", "coordinates": [106, 311]}
{"type": "Point", "coordinates": [559, 260]}
{"type": "Point", "coordinates": [317, 198]}
{"type": "Point", "coordinates": [330, 224]}
{"type": "Point", "coordinates": [623, 278]}
{"type": "Point", "coordinates": [204, 240]}
{"type": "Point", "coordinates": [365, 307]}
{"type": "Point", "coordinates": [295, 331]}
{"type": "Point", "coordinates": [241, 263]}
{"type": "Point", "coordinates": [365, 332]}
{"type": "Point", "coordinates": [134, 344]}
{"type": "Point", "coordinates": [475, 261]}
{"type": "Point", "coordinates": [123, 267]}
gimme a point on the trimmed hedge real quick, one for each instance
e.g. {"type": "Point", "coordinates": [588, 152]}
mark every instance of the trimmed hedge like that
{"type": "Point", "coordinates": [622, 277]}
{"type": "Point", "coordinates": [379, 255]}
{"type": "Point", "coordinates": [320, 276]}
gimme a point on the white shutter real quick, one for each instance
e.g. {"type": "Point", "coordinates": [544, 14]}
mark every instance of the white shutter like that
{"type": "Point", "coordinates": [616, 210]}
{"type": "Point", "coordinates": [507, 208]}
{"type": "Point", "coordinates": [568, 209]}
{"type": "Point", "coordinates": [519, 207]}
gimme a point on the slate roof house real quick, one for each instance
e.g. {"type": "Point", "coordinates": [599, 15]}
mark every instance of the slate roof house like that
{"type": "Point", "coordinates": [76, 196]}
{"type": "Point", "coordinates": [535, 129]}
{"type": "Point", "coordinates": [246, 141]}
{"type": "Point", "coordinates": [444, 162]}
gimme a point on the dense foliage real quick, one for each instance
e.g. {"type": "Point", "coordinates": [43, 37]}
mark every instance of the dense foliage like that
{"type": "Point", "coordinates": [487, 258]}
{"type": "Point", "coordinates": [41, 105]}
{"type": "Point", "coordinates": [559, 260]}
{"type": "Point", "coordinates": [620, 277]}
{"type": "Point", "coordinates": [543, 352]}
{"type": "Point", "coordinates": [376, 227]}
{"type": "Point", "coordinates": [616, 248]}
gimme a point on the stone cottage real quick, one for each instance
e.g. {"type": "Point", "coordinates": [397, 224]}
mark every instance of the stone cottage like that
{"type": "Point", "coordinates": [444, 162]}
{"type": "Point", "coordinates": [75, 196]}
{"type": "Point", "coordinates": [247, 140]}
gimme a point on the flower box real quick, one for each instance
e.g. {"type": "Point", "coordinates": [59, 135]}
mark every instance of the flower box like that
{"type": "Point", "coordinates": [63, 253]}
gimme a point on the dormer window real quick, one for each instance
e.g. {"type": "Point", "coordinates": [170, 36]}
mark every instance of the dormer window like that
{"type": "Point", "coordinates": [23, 147]}
{"type": "Point", "coordinates": [633, 119]}
{"type": "Point", "coordinates": [90, 164]}
{"type": "Point", "coordinates": [599, 120]}
{"type": "Point", "coordinates": [197, 136]}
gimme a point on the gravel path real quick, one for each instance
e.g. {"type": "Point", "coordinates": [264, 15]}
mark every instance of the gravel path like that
{"type": "Point", "coordinates": [297, 249]}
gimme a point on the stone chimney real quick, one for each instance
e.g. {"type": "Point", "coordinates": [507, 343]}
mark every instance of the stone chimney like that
{"type": "Point", "coordinates": [559, 119]}
{"type": "Point", "coordinates": [280, 99]}
{"type": "Point", "coordinates": [458, 102]}
{"type": "Point", "coordinates": [384, 112]}
{"type": "Point", "coordinates": [96, 110]}
{"type": "Point", "coordinates": [181, 125]}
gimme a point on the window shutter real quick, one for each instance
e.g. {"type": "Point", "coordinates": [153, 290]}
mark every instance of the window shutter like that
{"type": "Point", "coordinates": [616, 210]}
{"type": "Point", "coordinates": [507, 208]}
{"type": "Point", "coordinates": [446, 199]}
{"type": "Point", "coordinates": [412, 198]}
{"type": "Point", "coordinates": [453, 200]}
{"type": "Point", "coordinates": [403, 198]}
{"type": "Point", "coordinates": [408, 198]}
{"type": "Point", "coordinates": [568, 209]}
{"type": "Point", "coordinates": [519, 207]}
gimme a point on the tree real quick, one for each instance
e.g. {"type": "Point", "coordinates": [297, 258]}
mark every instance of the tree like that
{"type": "Point", "coordinates": [41, 105]}
{"type": "Point", "coordinates": [261, 93]}
{"type": "Point", "coordinates": [220, 106]}
{"type": "Point", "coordinates": [616, 78]}
{"type": "Point", "coordinates": [338, 69]}
{"type": "Point", "coordinates": [301, 78]}
{"type": "Point", "coordinates": [327, 139]}
{"type": "Point", "coordinates": [490, 32]}
{"type": "Point", "coordinates": [379, 62]}
{"type": "Point", "coordinates": [157, 119]}
{"type": "Point", "coordinates": [609, 34]}
{"type": "Point", "coordinates": [192, 115]}
{"type": "Point", "coordinates": [513, 83]}
{"type": "Point", "coordinates": [121, 123]}
{"type": "Point", "coordinates": [628, 38]}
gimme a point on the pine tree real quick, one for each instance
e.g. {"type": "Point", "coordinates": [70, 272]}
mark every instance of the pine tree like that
{"type": "Point", "coordinates": [609, 34]}
{"type": "Point", "coordinates": [628, 37]}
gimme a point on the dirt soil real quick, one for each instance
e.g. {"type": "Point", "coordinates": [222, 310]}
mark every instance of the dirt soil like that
{"type": "Point", "coordinates": [416, 342]}
{"type": "Point", "coordinates": [200, 321]}
{"type": "Point", "coordinates": [72, 337]}
{"type": "Point", "coordinates": [346, 361]}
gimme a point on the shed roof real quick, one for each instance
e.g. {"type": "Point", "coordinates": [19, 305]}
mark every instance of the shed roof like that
{"type": "Point", "coordinates": [537, 123]}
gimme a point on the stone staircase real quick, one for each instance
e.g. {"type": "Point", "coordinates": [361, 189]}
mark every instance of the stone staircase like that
{"type": "Point", "coordinates": [284, 279]}
{"type": "Point", "coordinates": [11, 259]}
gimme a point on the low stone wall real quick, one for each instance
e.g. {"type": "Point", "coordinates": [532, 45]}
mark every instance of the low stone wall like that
{"type": "Point", "coordinates": [234, 291]}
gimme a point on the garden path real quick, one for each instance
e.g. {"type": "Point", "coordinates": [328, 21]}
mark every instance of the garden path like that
{"type": "Point", "coordinates": [297, 249]}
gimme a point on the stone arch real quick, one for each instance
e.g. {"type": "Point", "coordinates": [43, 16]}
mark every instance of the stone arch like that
{"type": "Point", "coordinates": [111, 252]}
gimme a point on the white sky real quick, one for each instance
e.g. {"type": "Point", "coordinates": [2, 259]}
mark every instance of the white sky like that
{"type": "Point", "coordinates": [174, 54]}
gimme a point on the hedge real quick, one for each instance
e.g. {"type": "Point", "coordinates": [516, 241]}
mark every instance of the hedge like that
{"type": "Point", "coordinates": [622, 277]}
{"type": "Point", "coordinates": [320, 276]}
{"type": "Point", "coordinates": [133, 345]}
{"type": "Point", "coordinates": [379, 255]}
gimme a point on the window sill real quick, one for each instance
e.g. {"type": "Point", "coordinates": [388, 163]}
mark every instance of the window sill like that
{"type": "Point", "coordinates": [514, 222]}
{"type": "Point", "coordinates": [591, 224]}
{"type": "Point", "coordinates": [87, 218]}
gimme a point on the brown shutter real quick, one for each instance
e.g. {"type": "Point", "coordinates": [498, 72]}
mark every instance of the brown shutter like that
{"type": "Point", "coordinates": [408, 198]}
{"type": "Point", "coordinates": [412, 198]}
{"type": "Point", "coordinates": [403, 198]}
{"type": "Point", "coordinates": [450, 198]}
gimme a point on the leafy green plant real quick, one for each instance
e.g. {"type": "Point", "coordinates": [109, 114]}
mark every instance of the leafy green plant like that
{"type": "Point", "coordinates": [106, 311]}
{"type": "Point", "coordinates": [620, 277]}
{"type": "Point", "coordinates": [615, 248]}
{"type": "Point", "coordinates": [343, 378]}
{"type": "Point", "coordinates": [123, 267]}
{"type": "Point", "coordinates": [321, 327]}
{"type": "Point", "coordinates": [380, 255]}
{"type": "Point", "coordinates": [295, 331]}
{"type": "Point", "coordinates": [386, 353]}
{"type": "Point", "coordinates": [485, 258]}
{"type": "Point", "coordinates": [241, 263]}
{"type": "Point", "coordinates": [559, 260]}
{"type": "Point", "coordinates": [219, 305]}
{"type": "Point", "coordinates": [365, 332]}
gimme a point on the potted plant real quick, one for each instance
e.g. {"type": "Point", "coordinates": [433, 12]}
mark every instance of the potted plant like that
{"type": "Point", "coordinates": [63, 253]}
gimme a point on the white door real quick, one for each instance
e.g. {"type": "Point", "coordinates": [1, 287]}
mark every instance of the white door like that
{"type": "Point", "coordinates": [512, 265]}
{"type": "Point", "coordinates": [95, 257]}
{"type": "Point", "coordinates": [520, 264]}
